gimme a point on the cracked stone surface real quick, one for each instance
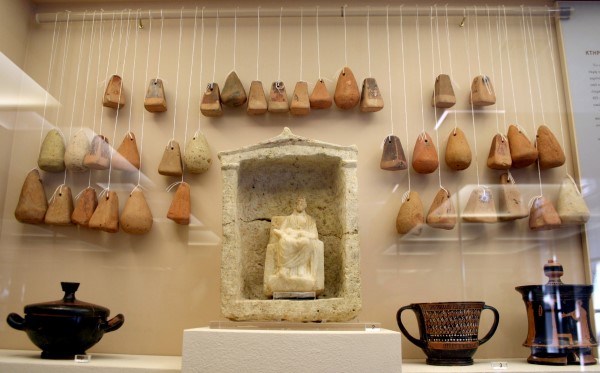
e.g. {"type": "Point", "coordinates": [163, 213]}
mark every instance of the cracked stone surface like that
{"type": "Point", "coordinates": [263, 180]}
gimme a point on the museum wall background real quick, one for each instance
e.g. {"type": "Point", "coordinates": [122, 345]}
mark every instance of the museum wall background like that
{"type": "Point", "coordinates": [168, 280]}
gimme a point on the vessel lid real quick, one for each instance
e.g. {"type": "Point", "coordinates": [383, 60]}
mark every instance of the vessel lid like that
{"type": "Point", "coordinates": [554, 270]}
{"type": "Point", "coordinates": [68, 305]}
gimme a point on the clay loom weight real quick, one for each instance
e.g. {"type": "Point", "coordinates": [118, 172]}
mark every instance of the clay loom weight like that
{"type": "Point", "coordinates": [233, 93]}
{"type": "Point", "coordinates": [320, 97]}
{"type": "Point", "coordinates": [482, 91]}
{"type": "Point", "coordinates": [257, 101]}
{"type": "Point", "coordinates": [443, 94]}
{"type": "Point", "coordinates": [114, 97]}
{"type": "Point", "coordinates": [300, 104]}
{"type": "Point", "coordinates": [278, 100]}
{"type": "Point", "coordinates": [370, 98]}
{"type": "Point", "coordinates": [346, 94]}
{"type": "Point", "coordinates": [211, 101]}
{"type": "Point", "coordinates": [32, 204]}
{"type": "Point", "coordinates": [155, 101]}
{"type": "Point", "coordinates": [392, 157]}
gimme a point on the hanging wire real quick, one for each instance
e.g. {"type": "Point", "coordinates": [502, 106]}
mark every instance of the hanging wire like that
{"type": "Point", "coordinates": [215, 56]}
{"type": "Point", "coordinates": [234, 32]}
{"type": "Point", "coordinates": [389, 58]}
{"type": "Point", "coordinates": [187, 112]}
{"type": "Point", "coordinates": [201, 61]}
{"type": "Point", "coordinates": [404, 92]}
{"type": "Point", "coordinates": [53, 49]}
{"type": "Point", "coordinates": [133, 73]}
{"type": "Point", "coordinates": [257, 40]}
{"type": "Point", "coordinates": [450, 59]}
{"type": "Point", "coordinates": [499, 37]}
{"type": "Point", "coordinates": [435, 116]}
{"type": "Point", "coordinates": [369, 35]}
{"type": "Point", "coordinates": [177, 75]}
{"type": "Point", "coordinates": [467, 36]}
{"type": "Point", "coordinates": [301, 44]}
{"type": "Point", "coordinates": [162, 24]}
{"type": "Point", "coordinates": [279, 53]}
{"type": "Point", "coordinates": [77, 76]}
{"type": "Point", "coordinates": [512, 84]}
{"type": "Point", "coordinates": [89, 64]}
{"type": "Point", "coordinates": [318, 45]}
{"type": "Point", "coordinates": [144, 111]}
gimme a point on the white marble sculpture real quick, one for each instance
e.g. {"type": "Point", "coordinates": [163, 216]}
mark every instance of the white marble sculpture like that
{"type": "Point", "coordinates": [294, 256]}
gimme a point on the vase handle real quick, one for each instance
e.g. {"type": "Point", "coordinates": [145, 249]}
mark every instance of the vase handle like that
{"type": "Point", "coordinates": [16, 321]}
{"type": "Point", "coordinates": [494, 325]}
{"type": "Point", "coordinates": [113, 324]}
{"type": "Point", "coordinates": [416, 342]}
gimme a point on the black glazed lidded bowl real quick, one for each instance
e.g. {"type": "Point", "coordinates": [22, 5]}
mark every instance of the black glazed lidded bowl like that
{"type": "Point", "coordinates": [559, 331]}
{"type": "Point", "coordinates": [66, 327]}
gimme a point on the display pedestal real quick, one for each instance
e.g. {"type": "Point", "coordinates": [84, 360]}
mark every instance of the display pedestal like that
{"type": "Point", "coordinates": [250, 349]}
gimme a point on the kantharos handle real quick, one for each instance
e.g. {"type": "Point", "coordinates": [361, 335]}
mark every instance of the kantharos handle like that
{"type": "Point", "coordinates": [494, 325]}
{"type": "Point", "coordinates": [418, 342]}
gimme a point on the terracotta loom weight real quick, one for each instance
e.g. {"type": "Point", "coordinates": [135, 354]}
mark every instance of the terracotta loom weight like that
{"type": "Point", "coordinates": [127, 157]}
{"type": "Point", "coordinates": [346, 94]}
{"type": "Point", "coordinates": [170, 163]}
{"type": "Point", "coordinates": [155, 100]}
{"type": "Point", "coordinates": [197, 157]}
{"type": "Point", "coordinates": [410, 218]}
{"type": "Point", "coordinates": [442, 213]}
{"type": "Point", "coordinates": [278, 100]}
{"type": "Point", "coordinates": [32, 204]}
{"type": "Point", "coordinates": [480, 207]}
{"type": "Point", "coordinates": [136, 217]}
{"type": "Point", "coordinates": [499, 156]}
{"type": "Point", "coordinates": [85, 207]}
{"type": "Point", "coordinates": [99, 156]}
{"type": "Point", "coordinates": [482, 91]}
{"type": "Point", "coordinates": [370, 98]}
{"type": "Point", "coordinates": [114, 97]}
{"type": "Point", "coordinates": [458, 153]}
{"type": "Point", "coordinates": [300, 104]}
{"type": "Point", "coordinates": [543, 215]}
{"type": "Point", "coordinates": [571, 206]}
{"type": "Point", "coordinates": [511, 206]}
{"type": "Point", "coordinates": [443, 94]}
{"type": "Point", "coordinates": [425, 158]}
{"type": "Point", "coordinates": [52, 152]}
{"type": "Point", "coordinates": [180, 209]}
{"type": "Point", "coordinates": [392, 157]}
{"type": "Point", "coordinates": [233, 93]}
{"type": "Point", "coordinates": [77, 148]}
{"type": "Point", "coordinates": [257, 101]}
{"type": "Point", "coordinates": [320, 97]}
{"type": "Point", "coordinates": [211, 101]}
{"type": "Point", "coordinates": [522, 151]}
{"type": "Point", "coordinates": [550, 153]}
{"type": "Point", "coordinates": [106, 215]}
{"type": "Point", "coordinates": [60, 207]}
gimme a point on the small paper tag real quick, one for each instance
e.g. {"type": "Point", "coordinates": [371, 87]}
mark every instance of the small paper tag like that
{"type": "Point", "coordinates": [83, 358]}
{"type": "Point", "coordinates": [372, 328]}
{"type": "Point", "coordinates": [499, 365]}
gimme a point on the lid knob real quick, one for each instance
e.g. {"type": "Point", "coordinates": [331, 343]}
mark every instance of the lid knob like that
{"type": "Point", "coordinates": [553, 270]}
{"type": "Point", "coordinates": [69, 288]}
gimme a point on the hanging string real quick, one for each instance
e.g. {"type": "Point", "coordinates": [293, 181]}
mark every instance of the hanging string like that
{"type": "Point", "coordinates": [187, 113]}
{"type": "Point", "coordinates": [77, 76]}
{"type": "Point", "coordinates": [467, 37]}
{"type": "Point", "coordinates": [558, 103]}
{"type": "Point", "coordinates": [420, 73]}
{"type": "Point", "coordinates": [369, 37]}
{"type": "Point", "coordinates": [177, 75]}
{"type": "Point", "coordinates": [301, 51]}
{"type": "Point", "coordinates": [162, 23]}
{"type": "Point", "coordinates": [64, 63]}
{"type": "Point", "coordinates": [450, 59]}
{"type": "Point", "coordinates": [512, 84]}
{"type": "Point", "coordinates": [437, 36]}
{"type": "Point", "coordinates": [112, 36]}
{"type": "Point", "coordinates": [530, 31]}
{"type": "Point", "coordinates": [120, 39]}
{"type": "Point", "coordinates": [133, 73]}
{"type": "Point", "coordinates": [435, 116]}
{"type": "Point", "coordinates": [389, 58]}
{"type": "Point", "coordinates": [279, 58]}
{"type": "Point", "coordinates": [345, 37]}
{"type": "Point", "coordinates": [49, 79]}
{"type": "Point", "coordinates": [498, 33]}
{"type": "Point", "coordinates": [215, 56]}
{"type": "Point", "coordinates": [144, 111]}
{"type": "Point", "coordinates": [477, 42]}
{"type": "Point", "coordinates": [234, 32]}
{"type": "Point", "coordinates": [201, 60]}
{"type": "Point", "coordinates": [318, 45]}
{"type": "Point", "coordinates": [404, 91]}
{"type": "Point", "coordinates": [257, 40]}
{"type": "Point", "coordinates": [89, 64]}
{"type": "Point", "coordinates": [489, 25]}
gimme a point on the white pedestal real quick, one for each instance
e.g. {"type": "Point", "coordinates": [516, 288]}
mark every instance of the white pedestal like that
{"type": "Point", "coordinates": [235, 350]}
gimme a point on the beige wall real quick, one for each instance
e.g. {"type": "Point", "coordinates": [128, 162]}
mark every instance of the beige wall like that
{"type": "Point", "coordinates": [168, 280]}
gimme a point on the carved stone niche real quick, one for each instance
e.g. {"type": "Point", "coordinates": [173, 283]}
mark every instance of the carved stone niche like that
{"type": "Point", "coordinates": [262, 181]}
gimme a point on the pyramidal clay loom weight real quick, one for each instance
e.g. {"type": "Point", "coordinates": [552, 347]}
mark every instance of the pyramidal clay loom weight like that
{"type": "Point", "coordinates": [443, 94]}
{"type": "Point", "coordinates": [155, 100]}
{"type": "Point", "coordinates": [571, 206]}
{"type": "Point", "coordinates": [180, 209]}
{"type": "Point", "coordinates": [458, 153]}
{"type": "Point", "coordinates": [85, 207]}
{"type": "Point", "coordinates": [52, 152]}
{"type": "Point", "coordinates": [300, 104]}
{"type": "Point", "coordinates": [346, 95]}
{"type": "Point", "coordinates": [106, 215]}
{"type": "Point", "coordinates": [233, 93]}
{"type": "Point", "coordinates": [257, 101]}
{"type": "Point", "coordinates": [441, 213]}
{"type": "Point", "coordinates": [60, 207]}
{"type": "Point", "coordinates": [99, 156]}
{"type": "Point", "coordinates": [522, 151]}
{"type": "Point", "coordinates": [425, 158]}
{"type": "Point", "coordinates": [370, 98]}
{"type": "Point", "coordinates": [392, 157]}
{"type": "Point", "coordinates": [278, 100]}
{"type": "Point", "coordinates": [32, 204]}
{"type": "Point", "coordinates": [170, 163]}
{"type": "Point", "coordinates": [550, 153]}
{"type": "Point", "coordinates": [499, 156]}
{"type": "Point", "coordinates": [136, 217]}
{"type": "Point", "coordinates": [480, 207]}
{"type": "Point", "coordinates": [211, 101]}
{"type": "Point", "coordinates": [511, 206]}
{"type": "Point", "coordinates": [410, 218]}
{"type": "Point", "coordinates": [77, 148]}
{"type": "Point", "coordinates": [543, 215]}
{"type": "Point", "coordinates": [127, 157]}
{"type": "Point", "coordinates": [114, 95]}
{"type": "Point", "coordinates": [197, 156]}
{"type": "Point", "coordinates": [482, 91]}
{"type": "Point", "coordinates": [320, 97]}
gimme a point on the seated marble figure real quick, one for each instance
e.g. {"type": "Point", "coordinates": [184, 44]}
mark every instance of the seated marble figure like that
{"type": "Point", "coordinates": [294, 258]}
